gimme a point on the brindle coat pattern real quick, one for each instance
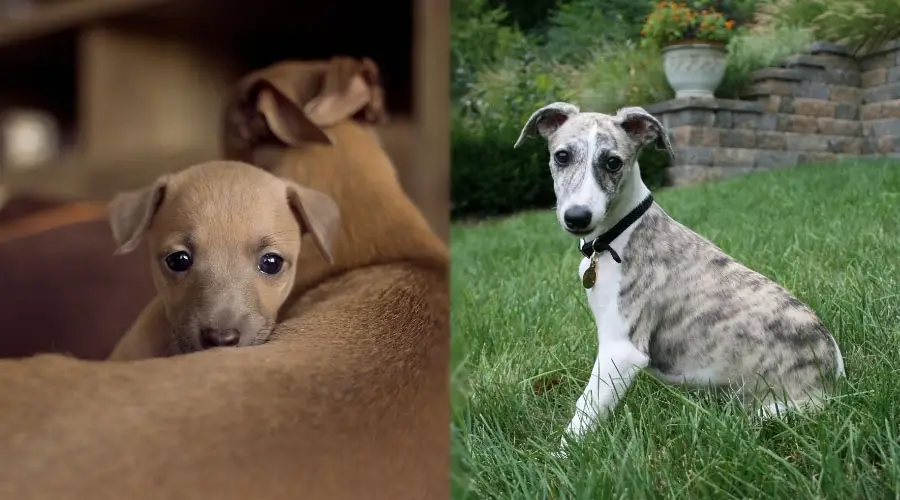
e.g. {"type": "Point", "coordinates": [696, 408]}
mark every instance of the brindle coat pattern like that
{"type": "Point", "coordinates": [690, 305]}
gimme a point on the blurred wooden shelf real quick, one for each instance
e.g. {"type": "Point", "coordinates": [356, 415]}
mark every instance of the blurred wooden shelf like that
{"type": "Point", "coordinates": [47, 18]}
{"type": "Point", "coordinates": [73, 178]}
{"type": "Point", "coordinates": [138, 78]}
{"type": "Point", "coordinates": [139, 86]}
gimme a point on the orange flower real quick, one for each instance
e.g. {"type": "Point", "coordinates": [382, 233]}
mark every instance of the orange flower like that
{"type": "Point", "coordinates": [729, 24]}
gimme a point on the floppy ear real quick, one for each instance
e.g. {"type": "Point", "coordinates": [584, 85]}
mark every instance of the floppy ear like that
{"type": "Point", "coordinates": [273, 101]}
{"type": "Point", "coordinates": [643, 128]}
{"type": "Point", "coordinates": [350, 87]}
{"type": "Point", "coordinates": [318, 215]}
{"type": "Point", "coordinates": [285, 119]}
{"type": "Point", "coordinates": [547, 120]}
{"type": "Point", "coordinates": [131, 213]}
{"type": "Point", "coordinates": [261, 111]}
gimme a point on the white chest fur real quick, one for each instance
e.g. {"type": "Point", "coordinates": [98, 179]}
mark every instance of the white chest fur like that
{"type": "Point", "coordinates": [606, 289]}
{"type": "Point", "coordinates": [603, 297]}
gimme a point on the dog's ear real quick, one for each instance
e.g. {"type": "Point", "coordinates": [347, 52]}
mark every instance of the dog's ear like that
{"type": "Point", "coordinates": [264, 109]}
{"type": "Point", "coordinates": [643, 128]}
{"type": "Point", "coordinates": [318, 215]}
{"type": "Point", "coordinates": [547, 120]}
{"type": "Point", "coordinates": [131, 213]}
{"type": "Point", "coordinates": [293, 101]}
{"type": "Point", "coordinates": [285, 119]}
{"type": "Point", "coordinates": [350, 87]}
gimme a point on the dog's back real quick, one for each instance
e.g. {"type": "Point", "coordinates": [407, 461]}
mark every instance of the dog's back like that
{"type": "Point", "coordinates": [357, 408]}
{"type": "Point", "coordinates": [381, 311]}
{"type": "Point", "coordinates": [721, 314]}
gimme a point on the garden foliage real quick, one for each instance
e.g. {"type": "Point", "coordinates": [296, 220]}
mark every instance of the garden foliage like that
{"type": "Point", "coordinates": [511, 57]}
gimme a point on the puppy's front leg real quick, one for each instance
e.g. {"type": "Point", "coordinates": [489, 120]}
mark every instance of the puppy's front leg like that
{"type": "Point", "coordinates": [614, 370]}
{"type": "Point", "coordinates": [618, 363]}
{"type": "Point", "coordinates": [148, 337]}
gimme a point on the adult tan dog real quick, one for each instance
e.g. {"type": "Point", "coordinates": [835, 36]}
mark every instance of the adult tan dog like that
{"type": "Point", "coordinates": [226, 236]}
{"type": "Point", "coordinates": [349, 398]}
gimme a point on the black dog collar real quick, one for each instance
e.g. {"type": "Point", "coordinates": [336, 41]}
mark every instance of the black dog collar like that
{"type": "Point", "coordinates": [603, 241]}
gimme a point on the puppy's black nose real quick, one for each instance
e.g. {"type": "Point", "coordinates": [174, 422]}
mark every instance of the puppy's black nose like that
{"type": "Point", "coordinates": [577, 218]}
{"type": "Point", "coordinates": [211, 337]}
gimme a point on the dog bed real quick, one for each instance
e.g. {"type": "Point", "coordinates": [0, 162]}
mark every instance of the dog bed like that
{"type": "Point", "coordinates": [62, 288]}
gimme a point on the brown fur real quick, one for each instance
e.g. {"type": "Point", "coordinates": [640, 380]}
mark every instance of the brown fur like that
{"type": "Point", "coordinates": [348, 399]}
{"type": "Point", "coordinates": [226, 216]}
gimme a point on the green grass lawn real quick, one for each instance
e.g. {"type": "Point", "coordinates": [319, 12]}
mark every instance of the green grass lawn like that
{"type": "Point", "coordinates": [524, 342]}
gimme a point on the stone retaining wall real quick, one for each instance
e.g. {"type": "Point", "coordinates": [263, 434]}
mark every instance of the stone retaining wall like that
{"type": "Point", "coordinates": [821, 105]}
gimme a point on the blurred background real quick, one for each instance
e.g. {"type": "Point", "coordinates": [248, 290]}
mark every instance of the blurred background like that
{"type": "Point", "coordinates": [99, 96]}
{"type": "Point", "coordinates": [510, 57]}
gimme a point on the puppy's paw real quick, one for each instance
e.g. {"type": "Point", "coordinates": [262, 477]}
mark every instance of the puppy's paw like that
{"type": "Point", "coordinates": [772, 410]}
{"type": "Point", "coordinates": [562, 452]}
{"type": "Point", "coordinates": [575, 430]}
{"type": "Point", "coordinates": [781, 409]}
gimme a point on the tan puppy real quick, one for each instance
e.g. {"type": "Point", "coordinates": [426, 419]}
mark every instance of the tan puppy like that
{"type": "Point", "coordinates": [227, 237]}
{"type": "Point", "coordinates": [349, 397]}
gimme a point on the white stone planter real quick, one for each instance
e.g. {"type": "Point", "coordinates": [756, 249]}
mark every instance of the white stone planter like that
{"type": "Point", "coordinates": [694, 69]}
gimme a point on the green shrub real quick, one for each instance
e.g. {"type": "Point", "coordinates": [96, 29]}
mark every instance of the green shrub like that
{"type": "Point", "coordinates": [860, 24]}
{"type": "Point", "coordinates": [577, 27]}
{"type": "Point", "coordinates": [750, 51]}
{"type": "Point", "coordinates": [480, 40]}
{"type": "Point", "coordinates": [528, 15]}
{"type": "Point", "coordinates": [741, 11]}
{"type": "Point", "coordinates": [616, 76]}
{"type": "Point", "coordinates": [488, 177]}
{"type": "Point", "coordinates": [863, 25]}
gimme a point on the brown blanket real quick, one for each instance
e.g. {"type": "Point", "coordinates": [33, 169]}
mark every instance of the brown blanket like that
{"type": "Point", "coordinates": [62, 289]}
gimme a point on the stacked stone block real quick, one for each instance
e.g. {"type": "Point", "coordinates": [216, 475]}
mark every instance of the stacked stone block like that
{"type": "Point", "coordinates": [880, 113]}
{"type": "Point", "coordinates": [821, 105]}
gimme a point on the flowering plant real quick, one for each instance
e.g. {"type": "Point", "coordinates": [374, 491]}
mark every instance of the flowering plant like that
{"type": "Point", "coordinates": [672, 22]}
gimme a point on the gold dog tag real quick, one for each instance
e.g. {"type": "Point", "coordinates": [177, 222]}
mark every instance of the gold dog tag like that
{"type": "Point", "coordinates": [590, 274]}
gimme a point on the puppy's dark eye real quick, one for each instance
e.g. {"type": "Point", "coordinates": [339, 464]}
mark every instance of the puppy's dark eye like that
{"type": "Point", "coordinates": [271, 263]}
{"type": "Point", "coordinates": [561, 158]}
{"type": "Point", "coordinates": [613, 163]}
{"type": "Point", "coordinates": [179, 262]}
